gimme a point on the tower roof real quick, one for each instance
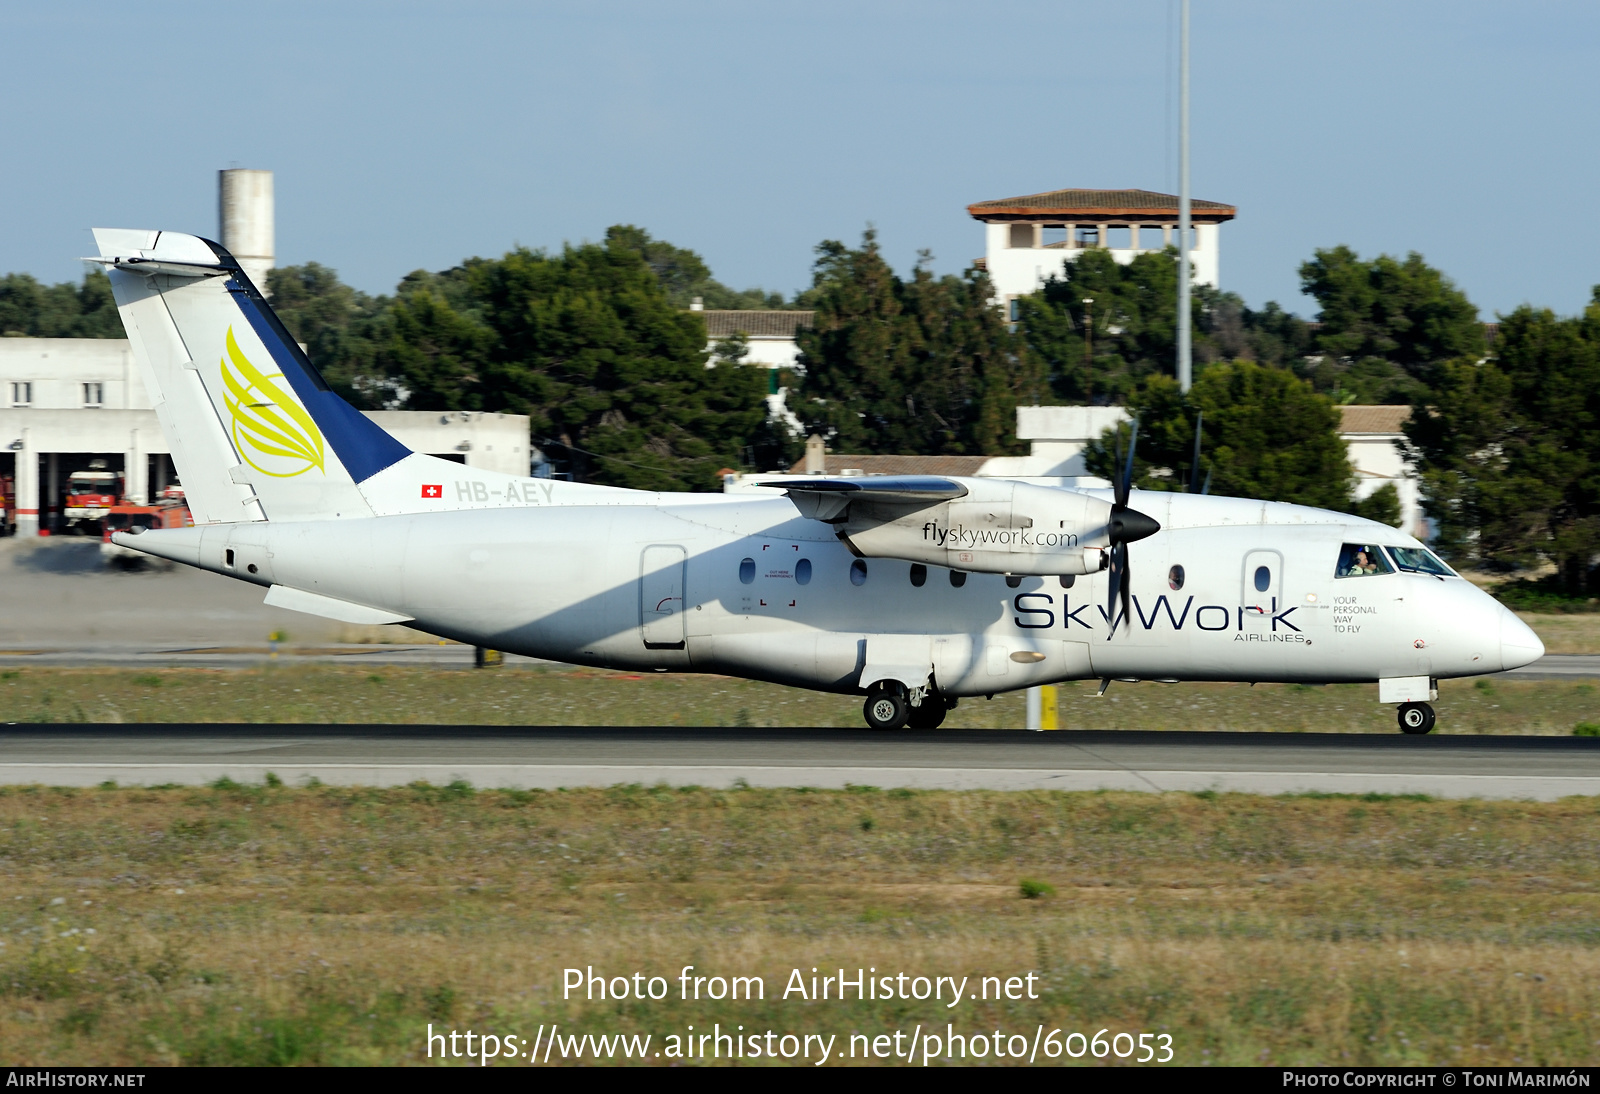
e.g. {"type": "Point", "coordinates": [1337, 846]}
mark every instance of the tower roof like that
{"type": "Point", "coordinates": [1093, 205]}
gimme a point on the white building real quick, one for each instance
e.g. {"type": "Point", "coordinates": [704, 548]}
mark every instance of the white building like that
{"type": "Point", "coordinates": [1058, 437]}
{"type": "Point", "coordinates": [1029, 239]}
{"type": "Point", "coordinates": [1371, 435]}
{"type": "Point", "coordinates": [771, 338]}
{"type": "Point", "coordinates": [65, 402]}
{"type": "Point", "coordinates": [769, 334]}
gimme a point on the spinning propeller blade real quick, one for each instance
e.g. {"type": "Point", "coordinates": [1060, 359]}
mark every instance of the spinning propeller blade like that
{"type": "Point", "coordinates": [1194, 463]}
{"type": "Point", "coordinates": [1126, 525]}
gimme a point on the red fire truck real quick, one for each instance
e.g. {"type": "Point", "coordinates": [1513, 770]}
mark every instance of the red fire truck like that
{"type": "Point", "coordinates": [90, 496]}
{"type": "Point", "coordinates": [169, 511]}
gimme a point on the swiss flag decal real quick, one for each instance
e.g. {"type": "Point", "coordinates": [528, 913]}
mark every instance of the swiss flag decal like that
{"type": "Point", "coordinates": [432, 490]}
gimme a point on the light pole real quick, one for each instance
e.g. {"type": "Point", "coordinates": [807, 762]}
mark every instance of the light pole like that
{"type": "Point", "coordinates": [1088, 351]}
{"type": "Point", "coordinates": [1185, 355]}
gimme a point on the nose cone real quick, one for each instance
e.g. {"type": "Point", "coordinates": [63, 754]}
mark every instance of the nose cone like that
{"type": "Point", "coordinates": [1518, 644]}
{"type": "Point", "coordinates": [1128, 525]}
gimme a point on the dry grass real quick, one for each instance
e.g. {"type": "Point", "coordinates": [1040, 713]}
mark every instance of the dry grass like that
{"type": "Point", "coordinates": [532, 696]}
{"type": "Point", "coordinates": [1575, 633]}
{"type": "Point", "coordinates": [254, 925]}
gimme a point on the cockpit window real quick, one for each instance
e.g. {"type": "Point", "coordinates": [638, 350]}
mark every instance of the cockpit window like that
{"type": "Point", "coordinates": [1362, 560]}
{"type": "Point", "coordinates": [1419, 560]}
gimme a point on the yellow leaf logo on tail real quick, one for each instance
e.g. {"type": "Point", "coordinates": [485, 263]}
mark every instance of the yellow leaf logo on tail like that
{"type": "Point", "coordinates": [269, 424]}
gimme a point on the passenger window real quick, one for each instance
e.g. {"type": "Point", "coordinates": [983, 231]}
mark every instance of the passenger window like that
{"type": "Point", "coordinates": [1175, 579]}
{"type": "Point", "coordinates": [858, 572]}
{"type": "Point", "coordinates": [1419, 560]}
{"type": "Point", "coordinates": [1067, 580]}
{"type": "Point", "coordinates": [958, 578]}
{"type": "Point", "coordinates": [919, 574]}
{"type": "Point", "coordinates": [747, 571]}
{"type": "Point", "coordinates": [1362, 560]}
{"type": "Point", "coordinates": [802, 571]}
{"type": "Point", "coordinates": [1013, 580]}
{"type": "Point", "coordinates": [1263, 579]}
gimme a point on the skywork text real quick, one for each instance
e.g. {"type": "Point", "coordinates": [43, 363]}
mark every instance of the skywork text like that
{"type": "Point", "coordinates": [1037, 611]}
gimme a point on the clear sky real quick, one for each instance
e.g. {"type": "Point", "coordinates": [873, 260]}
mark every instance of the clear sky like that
{"type": "Point", "coordinates": [413, 134]}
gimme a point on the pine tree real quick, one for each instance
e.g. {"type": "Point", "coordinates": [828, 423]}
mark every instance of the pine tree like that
{"type": "Point", "coordinates": [926, 366]}
{"type": "Point", "coordinates": [1267, 434]}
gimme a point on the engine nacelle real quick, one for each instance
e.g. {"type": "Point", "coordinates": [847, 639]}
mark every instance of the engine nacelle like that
{"type": "Point", "coordinates": [998, 526]}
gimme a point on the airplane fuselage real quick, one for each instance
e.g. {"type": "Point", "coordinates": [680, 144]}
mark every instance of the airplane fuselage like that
{"type": "Point", "coordinates": [743, 585]}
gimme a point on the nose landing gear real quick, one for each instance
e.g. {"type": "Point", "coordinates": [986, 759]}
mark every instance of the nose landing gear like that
{"type": "Point", "coordinates": [1416, 718]}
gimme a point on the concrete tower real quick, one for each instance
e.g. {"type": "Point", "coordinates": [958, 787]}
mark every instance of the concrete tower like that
{"type": "Point", "coordinates": [245, 213]}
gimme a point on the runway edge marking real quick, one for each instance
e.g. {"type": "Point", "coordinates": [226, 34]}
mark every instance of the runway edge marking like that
{"type": "Point", "coordinates": [552, 776]}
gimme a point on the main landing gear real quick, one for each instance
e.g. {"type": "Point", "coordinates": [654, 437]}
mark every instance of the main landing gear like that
{"type": "Point", "coordinates": [1416, 718]}
{"type": "Point", "coordinates": [889, 707]}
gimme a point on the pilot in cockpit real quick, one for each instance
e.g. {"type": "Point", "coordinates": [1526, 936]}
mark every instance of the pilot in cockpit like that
{"type": "Point", "coordinates": [1359, 560]}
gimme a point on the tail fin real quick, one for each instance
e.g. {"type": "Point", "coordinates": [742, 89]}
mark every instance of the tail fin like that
{"type": "Point", "coordinates": [254, 429]}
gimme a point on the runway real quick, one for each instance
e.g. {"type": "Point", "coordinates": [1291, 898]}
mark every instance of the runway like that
{"type": "Point", "coordinates": [1538, 768]}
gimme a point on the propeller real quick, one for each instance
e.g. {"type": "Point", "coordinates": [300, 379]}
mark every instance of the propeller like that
{"type": "Point", "coordinates": [1195, 486]}
{"type": "Point", "coordinates": [1125, 526]}
{"type": "Point", "coordinates": [1194, 463]}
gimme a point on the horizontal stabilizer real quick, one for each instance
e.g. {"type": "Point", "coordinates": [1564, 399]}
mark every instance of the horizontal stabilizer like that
{"type": "Point", "coordinates": [298, 600]}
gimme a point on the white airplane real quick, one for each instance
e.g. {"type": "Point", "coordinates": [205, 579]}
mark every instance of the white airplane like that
{"type": "Point", "coordinates": [915, 592]}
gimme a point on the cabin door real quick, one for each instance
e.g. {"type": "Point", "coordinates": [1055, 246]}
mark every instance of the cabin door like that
{"type": "Point", "coordinates": [661, 574]}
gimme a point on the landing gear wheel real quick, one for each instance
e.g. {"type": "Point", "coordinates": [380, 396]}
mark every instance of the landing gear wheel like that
{"type": "Point", "coordinates": [1416, 718]}
{"type": "Point", "coordinates": [930, 715]}
{"type": "Point", "coordinates": [886, 710]}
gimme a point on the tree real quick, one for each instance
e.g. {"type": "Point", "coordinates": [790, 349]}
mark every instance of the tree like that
{"type": "Point", "coordinates": [1384, 324]}
{"type": "Point", "coordinates": [1405, 312]}
{"type": "Point", "coordinates": [1382, 505]}
{"type": "Point", "coordinates": [432, 353]}
{"type": "Point", "coordinates": [340, 328]}
{"type": "Point", "coordinates": [684, 274]}
{"type": "Point", "coordinates": [1267, 434]}
{"type": "Point", "coordinates": [857, 356]}
{"type": "Point", "coordinates": [1508, 449]}
{"type": "Point", "coordinates": [970, 370]}
{"type": "Point", "coordinates": [588, 345]}
{"type": "Point", "coordinates": [1131, 326]}
{"type": "Point", "coordinates": [926, 366]}
{"type": "Point", "coordinates": [29, 309]}
{"type": "Point", "coordinates": [1131, 329]}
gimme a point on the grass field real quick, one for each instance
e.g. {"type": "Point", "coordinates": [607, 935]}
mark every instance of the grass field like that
{"type": "Point", "coordinates": [1577, 632]}
{"type": "Point", "coordinates": [533, 696]}
{"type": "Point", "coordinates": [321, 925]}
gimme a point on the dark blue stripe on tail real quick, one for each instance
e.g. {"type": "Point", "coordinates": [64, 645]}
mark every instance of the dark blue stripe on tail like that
{"type": "Point", "coordinates": [361, 445]}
